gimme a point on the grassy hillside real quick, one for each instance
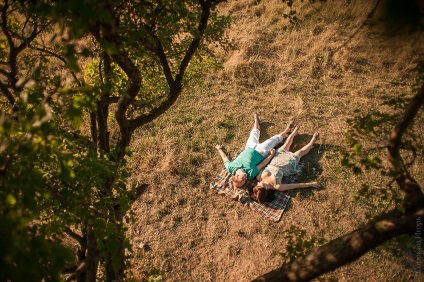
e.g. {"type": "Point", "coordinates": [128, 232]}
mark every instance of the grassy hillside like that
{"type": "Point", "coordinates": [316, 72]}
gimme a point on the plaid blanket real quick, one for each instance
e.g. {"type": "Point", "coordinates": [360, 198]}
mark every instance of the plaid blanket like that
{"type": "Point", "coordinates": [272, 210]}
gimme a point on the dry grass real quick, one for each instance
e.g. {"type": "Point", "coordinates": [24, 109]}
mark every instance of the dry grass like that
{"type": "Point", "coordinates": [304, 72]}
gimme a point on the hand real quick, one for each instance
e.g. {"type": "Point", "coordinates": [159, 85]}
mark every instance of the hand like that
{"type": "Point", "coordinates": [272, 152]}
{"type": "Point", "coordinates": [218, 147]}
{"type": "Point", "coordinates": [315, 184]}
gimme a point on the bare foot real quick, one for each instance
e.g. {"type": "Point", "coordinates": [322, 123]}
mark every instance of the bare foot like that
{"type": "Point", "coordinates": [290, 124]}
{"type": "Point", "coordinates": [287, 129]}
{"type": "Point", "coordinates": [256, 117]}
{"type": "Point", "coordinates": [316, 185]}
{"type": "Point", "coordinates": [315, 136]}
{"type": "Point", "coordinates": [296, 129]}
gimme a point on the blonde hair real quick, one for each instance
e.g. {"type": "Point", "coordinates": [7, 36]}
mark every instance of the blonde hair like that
{"type": "Point", "coordinates": [234, 181]}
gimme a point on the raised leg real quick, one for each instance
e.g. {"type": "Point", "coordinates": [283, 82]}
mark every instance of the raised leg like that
{"type": "Point", "coordinates": [257, 124]}
{"type": "Point", "coordinates": [302, 152]}
{"type": "Point", "coordinates": [284, 132]}
{"type": "Point", "coordinates": [289, 141]}
{"type": "Point", "coordinates": [270, 143]}
{"type": "Point", "coordinates": [255, 133]}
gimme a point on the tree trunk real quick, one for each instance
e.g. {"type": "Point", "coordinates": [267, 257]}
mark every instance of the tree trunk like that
{"type": "Point", "coordinates": [87, 268]}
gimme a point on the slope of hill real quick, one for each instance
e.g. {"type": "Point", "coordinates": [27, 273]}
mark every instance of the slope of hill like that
{"type": "Point", "coordinates": [333, 61]}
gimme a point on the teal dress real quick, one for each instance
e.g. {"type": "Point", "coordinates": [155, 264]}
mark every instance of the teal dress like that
{"type": "Point", "coordinates": [247, 161]}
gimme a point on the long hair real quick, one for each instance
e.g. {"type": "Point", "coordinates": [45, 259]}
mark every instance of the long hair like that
{"type": "Point", "coordinates": [261, 195]}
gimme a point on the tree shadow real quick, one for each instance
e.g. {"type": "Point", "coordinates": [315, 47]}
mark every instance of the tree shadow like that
{"type": "Point", "coordinates": [400, 17]}
{"type": "Point", "coordinates": [407, 249]}
{"type": "Point", "coordinates": [264, 130]}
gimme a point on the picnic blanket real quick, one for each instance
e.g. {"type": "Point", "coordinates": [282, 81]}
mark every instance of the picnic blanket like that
{"type": "Point", "coordinates": [272, 210]}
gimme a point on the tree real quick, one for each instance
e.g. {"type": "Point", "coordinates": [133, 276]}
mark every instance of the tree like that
{"type": "Point", "coordinates": [128, 61]}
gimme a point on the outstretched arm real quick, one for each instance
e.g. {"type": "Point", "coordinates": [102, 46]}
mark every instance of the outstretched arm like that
{"type": "Point", "coordinates": [221, 153]}
{"type": "Point", "coordinates": [263, 164]}
{"type": "Point", "coordinates": [285, 187]}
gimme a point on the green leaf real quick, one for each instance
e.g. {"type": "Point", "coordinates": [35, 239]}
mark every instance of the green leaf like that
{"type": "Point", "coordinates": [10, 200]}
{"type": "Point", "coordinates": [357, 149]}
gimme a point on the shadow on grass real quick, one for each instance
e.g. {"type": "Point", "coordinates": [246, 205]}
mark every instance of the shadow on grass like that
{"type": "Point", "coordinates": [264, 130]}
{"type": "Point", "coordinates": [407, 249]}
{"type": "Point", "coordinates": [311, 170]}
{"type": "Point", "coordinates": [265, 125]}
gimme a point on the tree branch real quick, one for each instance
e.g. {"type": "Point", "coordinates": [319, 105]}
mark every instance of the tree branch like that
{"type": "Point", "coordinates": [93, 128]}
{"type": "Point", "coordinates": [28, 40]}
{"type": "Point", "coordinates": [3, 24]}
{"type": "Point", "coordinates": [344, 249]}
{"type": "Point", "coordinates": [413, 193]}
{"type": "Point", "coordinates": [206, 11]}
{"type": "Point", "coordinates": [107, 32]}
{"type": "Point", "coordinates": [108, 100]}
{"type": "Point", "coordinates": [13, 52]}
{"type": "Point", "coordinates": [7, 93]}
{"type": "Point", "coordinates": [82, 267]}
{"type": "Point", "coordinates": [351, 246]}
{"type": "Point", "coordinates": [160, 52]}
{"type": "Point", "coordinates": [75, 236]}
{"type": "Point", "coordinates": [105, 67]}
{"type": "Point", "coordinates": [57, 56]}
{"type": "Point", "coordinates": [176, 84]}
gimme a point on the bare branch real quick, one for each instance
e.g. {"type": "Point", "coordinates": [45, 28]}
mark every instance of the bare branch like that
{"type": "Point", "coordinates": [344, 249]}
{"type": "Point", "coordinates": [139, 103]}
{"type": "Point", "coordinates": [12, 54]}
{"type": "Point", "coordinates": [402, 125]}
{"type": "Point", "coordinates": [414, 195]}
